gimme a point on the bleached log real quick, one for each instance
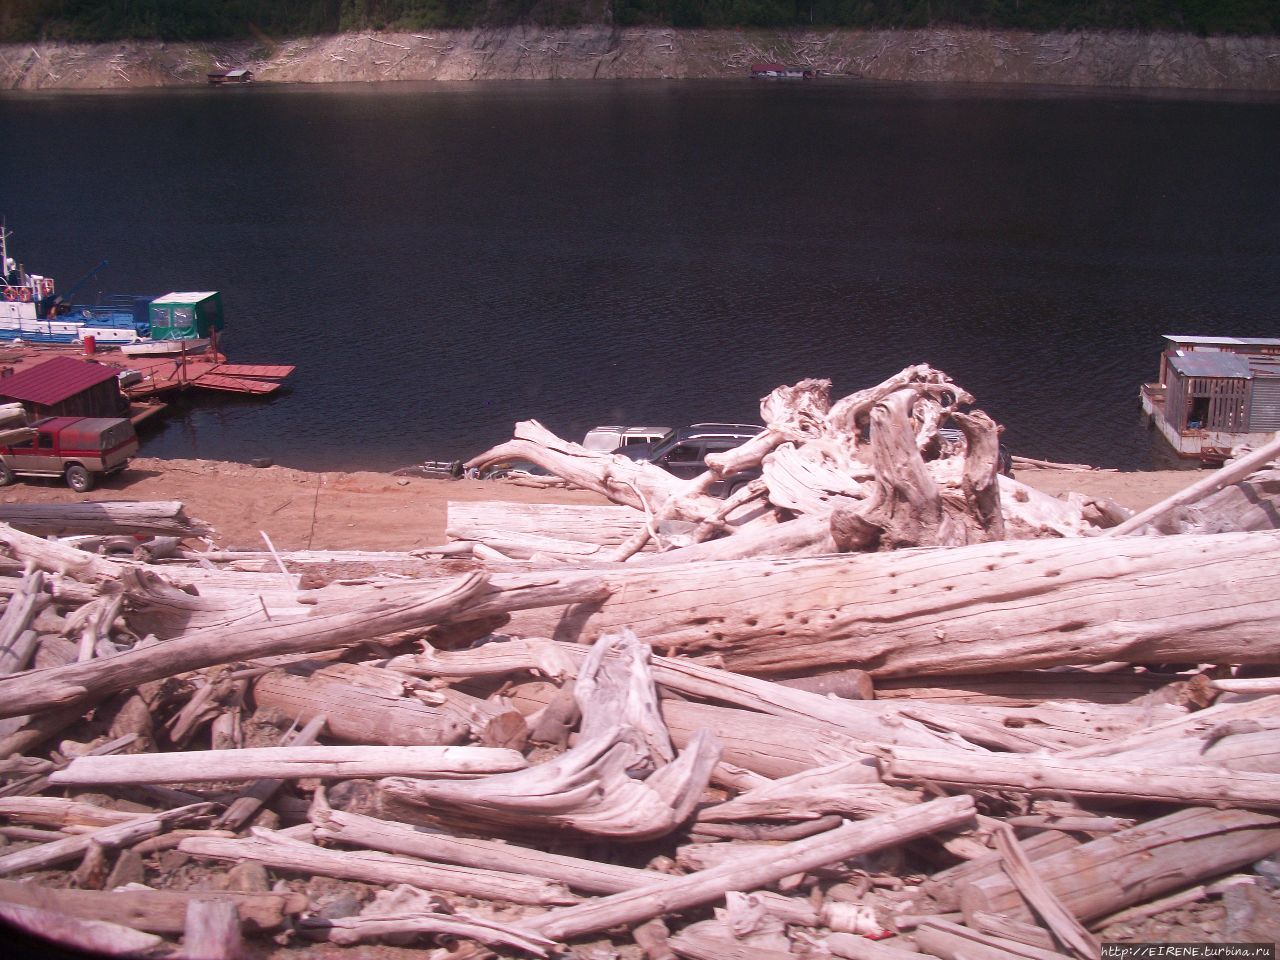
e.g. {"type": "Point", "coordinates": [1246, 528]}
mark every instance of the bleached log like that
{"type": "Point", "coordinates": [372, 833]}
{"type": "Point", "coordinates": [332, 624]}
{"type": "Point", "coordinates": [970, 609]}
{"type": "Point", "coordinates": [336, 762]}
{"type": "Point", "coordinates": [363, 705]}
{"type": "Point", "coordinates": [1229, 474]}
{"type": "Point", "coordinates": [1124, 868]}
{"type": "Point", "coordinates": [107, 517]}
{"type": "Point", "coordinates": [749, 873]}
{"type": "Point", "coordinates": [281, 852]}
{"type": "Point", "coordinates": [60, 812]}
{"type": "Point", "coordinates": [1251, 503]}
{"type": "Point", "coordinates": [154, 911]}
{"type": "Point", "coordinates": [53, 557]}
{"type": "Point", "coordinates": [1202, 784]}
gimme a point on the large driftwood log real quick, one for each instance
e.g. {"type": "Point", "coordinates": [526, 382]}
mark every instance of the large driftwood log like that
{"type": "Point", "coordinates": [971, 609]}
{"type": "Point", "coordinates": [1133, 865]}
{"type": "Point", "coordinates": [110, 517]}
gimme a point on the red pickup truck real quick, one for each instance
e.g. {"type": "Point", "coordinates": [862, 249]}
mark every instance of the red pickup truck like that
{"type": "Point", "coordinates": [77, 448]}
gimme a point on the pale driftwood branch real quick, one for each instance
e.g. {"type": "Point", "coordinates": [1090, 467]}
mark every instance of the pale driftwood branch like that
{"type": "Point", "coordinates": [1236, 470]}
{"type": "Point", "coordinates": [1201, 785]}
{"type": "Point", "coordinates": [369, 832]}
{"type": "Point", "coordinates": [284, 853]}
{"type": "Point", "coordinates": [330, 762]}
{"type": "Point", "coordinates": [118, 835]}
{"type": "Point", "coordinates": [755, 871]}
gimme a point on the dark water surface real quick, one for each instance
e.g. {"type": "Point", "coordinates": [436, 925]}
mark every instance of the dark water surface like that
{"type": "Point", "coordinates": [443, 260]}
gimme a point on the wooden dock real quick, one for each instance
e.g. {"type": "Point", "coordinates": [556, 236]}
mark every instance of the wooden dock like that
{"type": "Point", "coordinates": [148, 381]}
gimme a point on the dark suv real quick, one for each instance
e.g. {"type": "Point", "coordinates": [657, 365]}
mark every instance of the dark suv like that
{"type": "Point", "coordinates": [684, 452]}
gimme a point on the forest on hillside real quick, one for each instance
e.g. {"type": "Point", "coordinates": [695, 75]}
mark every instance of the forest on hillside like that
{"type": "Point", "coordinates": [266, 20]}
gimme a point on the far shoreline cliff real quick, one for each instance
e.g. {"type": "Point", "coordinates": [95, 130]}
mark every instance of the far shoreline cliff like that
{"type": "Point", "coordinates": [1115, 59]}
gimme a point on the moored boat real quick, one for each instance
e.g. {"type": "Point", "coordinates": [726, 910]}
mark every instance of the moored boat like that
{"type": "Point", "coordinates": [31, 310]}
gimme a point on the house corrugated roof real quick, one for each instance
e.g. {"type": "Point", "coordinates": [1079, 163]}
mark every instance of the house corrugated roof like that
{"type": "Point", "coordinates": [54, 380]}
{"type": "Point", "coordinates": [1212, 365]}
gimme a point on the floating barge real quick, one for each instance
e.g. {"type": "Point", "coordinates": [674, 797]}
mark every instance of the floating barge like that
{"type": "Point", "coordinates": [1215, 394]}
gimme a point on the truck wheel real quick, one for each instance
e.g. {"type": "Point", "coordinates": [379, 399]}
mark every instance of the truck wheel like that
{"type": "Point", "coordinates": [79, 479]}
{"type": "Point", "coordinates": [6, 475]}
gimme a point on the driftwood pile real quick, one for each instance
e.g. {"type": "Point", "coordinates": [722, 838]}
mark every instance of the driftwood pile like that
{"type": "Point", "coordinates": [884, 700]}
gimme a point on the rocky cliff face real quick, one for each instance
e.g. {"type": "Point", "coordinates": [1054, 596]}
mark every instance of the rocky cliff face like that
{"type": "Point", "coordinates": [1121, 59]}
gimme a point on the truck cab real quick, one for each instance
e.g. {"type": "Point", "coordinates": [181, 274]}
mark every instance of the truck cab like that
{"type": "Point", "coordinates": [79, 449]}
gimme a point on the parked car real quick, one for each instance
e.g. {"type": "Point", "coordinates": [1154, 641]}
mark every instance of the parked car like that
{"type": "Point", "coordinates": [609, 439]}
{"type": "Point", "coordinates": [684, 452]}
{"type": "Point", "coordinates": [80, 449]}
{"type": "Point", "coordinates": [956, 436]}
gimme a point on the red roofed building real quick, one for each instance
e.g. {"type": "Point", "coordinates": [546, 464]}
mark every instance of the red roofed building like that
{"type": "Point", "coordinates": [66, 387]}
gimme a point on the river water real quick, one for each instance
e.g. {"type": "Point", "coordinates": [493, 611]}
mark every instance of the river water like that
{"type": "Point", "coordinates": [440, 261]}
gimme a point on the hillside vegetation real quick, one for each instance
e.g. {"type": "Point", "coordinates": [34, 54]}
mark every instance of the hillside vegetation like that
{"type": "Point", "coordinates": [192, 20]}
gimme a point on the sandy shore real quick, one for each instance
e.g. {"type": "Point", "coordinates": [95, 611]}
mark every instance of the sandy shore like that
{"type": "Point", "coordinates": [299, 510]}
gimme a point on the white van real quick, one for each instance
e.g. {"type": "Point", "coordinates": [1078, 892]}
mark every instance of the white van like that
{"type": "Point", "coordinates": [610, 438]}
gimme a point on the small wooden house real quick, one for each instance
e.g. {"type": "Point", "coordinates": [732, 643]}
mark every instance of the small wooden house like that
{"type": "Point", "coordinates": [1215, 394]}
{"type": "Point", "coordinates": [66, 387]}
{"type": "Point", "coordinates": [219, 77]}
